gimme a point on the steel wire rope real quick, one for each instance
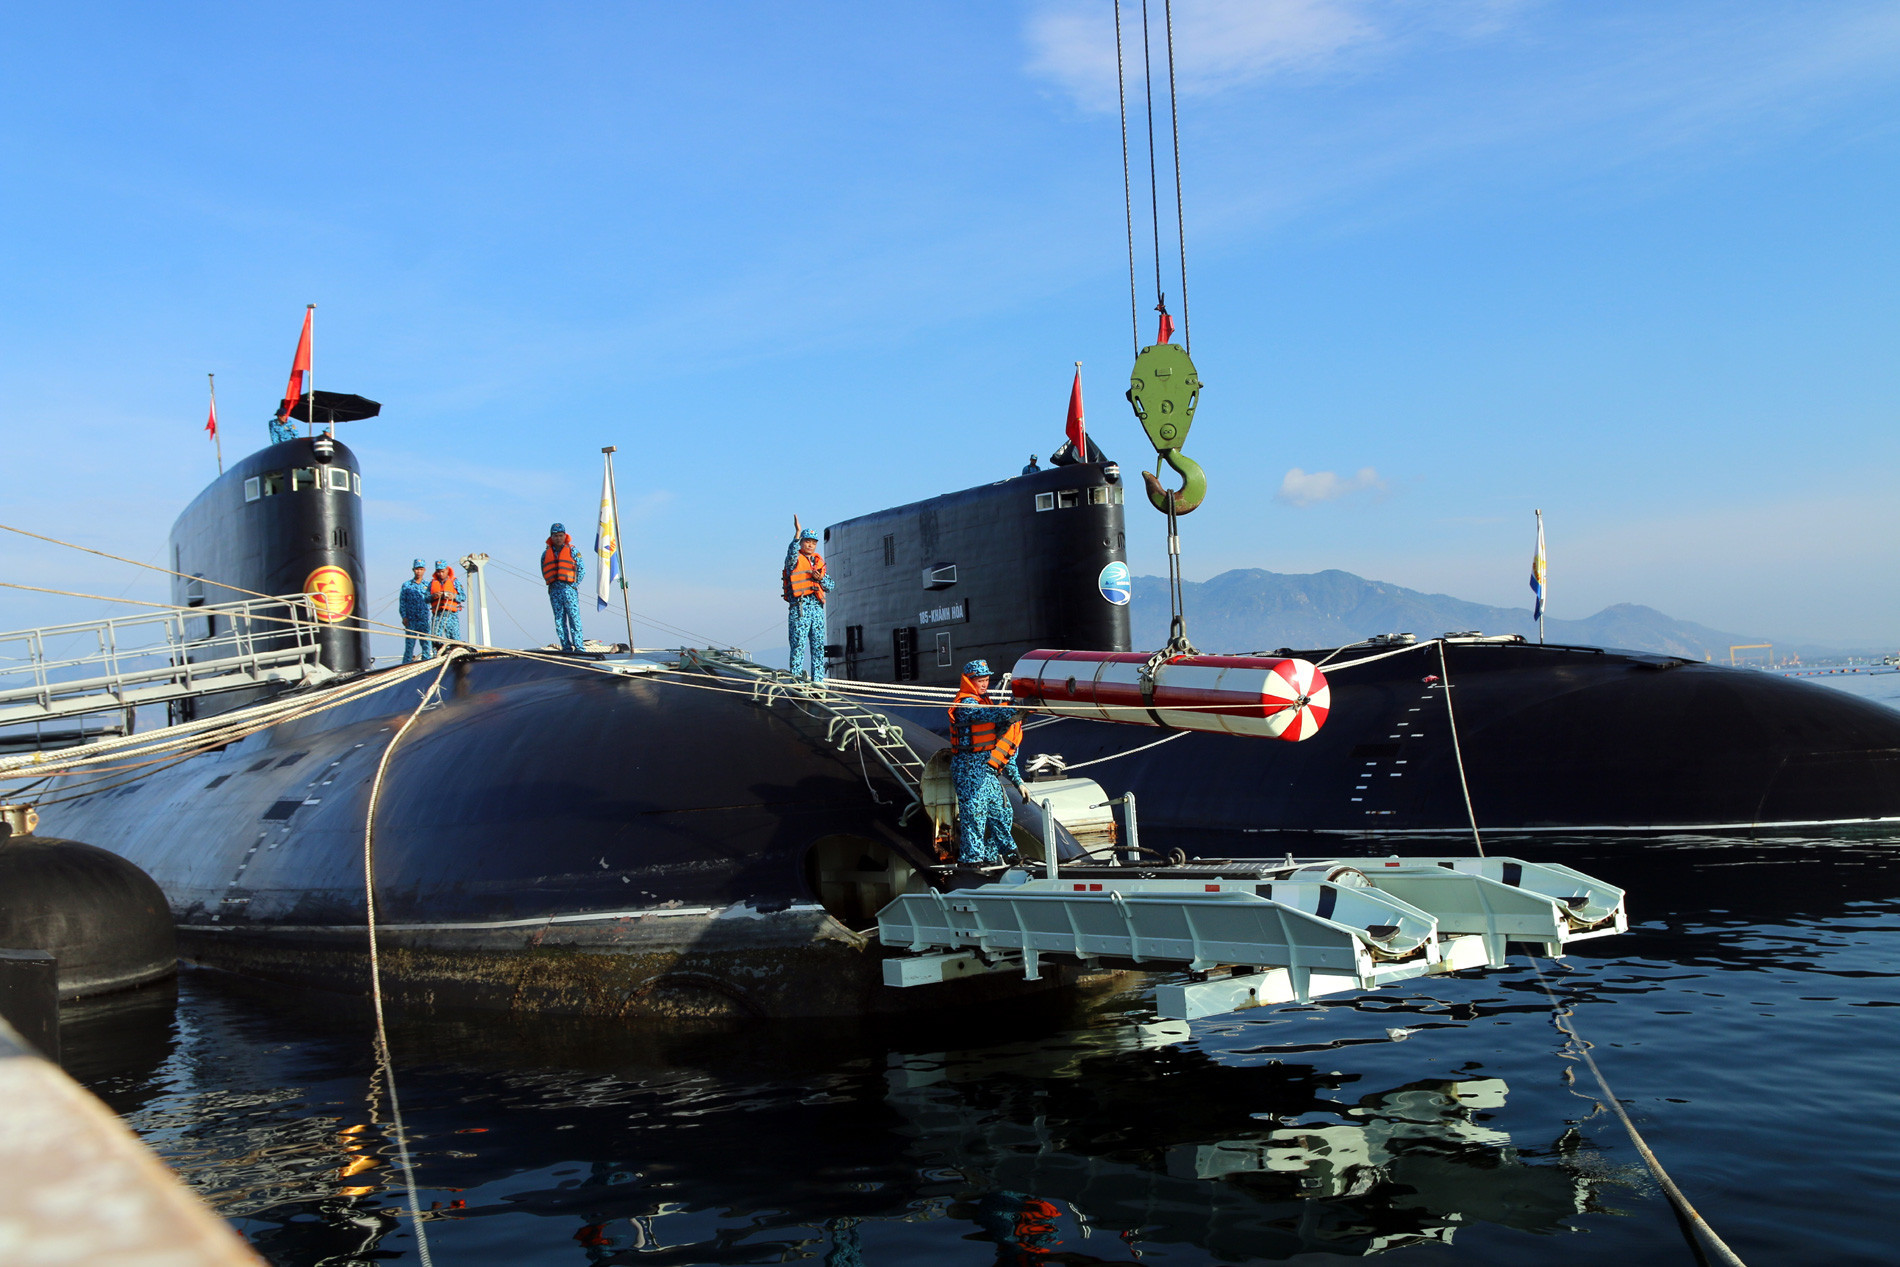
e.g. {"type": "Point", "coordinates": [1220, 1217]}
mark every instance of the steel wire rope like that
{"type": "Point", "coordinates": [360, 624]}
{"type": "Point", "coordinates": [375, 957]}
{"type": "Point", "coordinates": [1128, 192]}
{"type": "Point", "coordinates": [1154, 196]}
{"type": "Point", "coordinates": [650, 621]}
{"type": "Point", "coordinates": [1690, 1219]}
{"type": "Point", "coordinates": [1180, 223]}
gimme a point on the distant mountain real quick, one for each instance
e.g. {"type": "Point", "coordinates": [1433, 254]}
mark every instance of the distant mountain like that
{"type": "Point", "coordinates": [1253, 610]}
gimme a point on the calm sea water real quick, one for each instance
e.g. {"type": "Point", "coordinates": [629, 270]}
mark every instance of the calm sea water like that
{"type": "Point", "coordinates": [1749, 1022]}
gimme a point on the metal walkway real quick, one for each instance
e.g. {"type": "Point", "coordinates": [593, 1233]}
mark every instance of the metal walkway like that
{"type": "Point", "coordinates": [125, 661]}
{"type": "Point", "coordinates": [847, 722]}
{"type": "Point", "coordinates": [1252, 932]}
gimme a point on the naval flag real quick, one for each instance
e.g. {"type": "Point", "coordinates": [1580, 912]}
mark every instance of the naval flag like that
{"type": "Point", "coordinates": [1077, 431]}
{"type": "Point", "coordinates": [1537, 572]}
{"type": "Point", "coordinates": [299, 366]}
{"type": "Point", "coordinates": [606, 543]}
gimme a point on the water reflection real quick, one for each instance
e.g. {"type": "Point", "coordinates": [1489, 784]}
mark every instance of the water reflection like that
{"type": "Point", "coordinates": [1352, 1127]}
{"type": "Point", "coordinates": [1171, 1146]}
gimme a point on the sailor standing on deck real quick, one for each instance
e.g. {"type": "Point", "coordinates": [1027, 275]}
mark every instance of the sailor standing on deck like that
{"type": "Point", "coordinates": [446, 597]}
{"type": "Point", "coordinates": [413, 604]}
{"type": "Point", "coordinates": [561, 568]}
{"type": "Point", "coordinates": [805, 587]}
{"type": "Point", "coordinates": [983, 741]}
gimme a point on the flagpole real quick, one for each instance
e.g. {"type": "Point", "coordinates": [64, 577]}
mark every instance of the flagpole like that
{"type": "Point", "coordinates": [310, 375]}
{"type": "Point", "coordinates": [215, 437]}
{"type": "Point", "coordinates": [1543, 600]}
{"type": "Point", "coordinates": [620, 545]}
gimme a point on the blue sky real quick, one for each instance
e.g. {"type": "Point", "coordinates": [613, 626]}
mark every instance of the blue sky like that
{"type": "Point", "coordinates": [1634, 263]}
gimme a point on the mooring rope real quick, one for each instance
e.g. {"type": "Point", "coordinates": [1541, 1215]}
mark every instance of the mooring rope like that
{"type": "Point", "coordinates": [1444, 684]}
{"type": "Point", "coordinates": [375, 957]}
{"type": "Point", "coordinates": [1694, 1225]}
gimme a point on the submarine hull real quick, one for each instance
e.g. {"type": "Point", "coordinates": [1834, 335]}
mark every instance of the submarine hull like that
{"type": "Point", "coordinates": [1552, 739]}
{"type": "Point", "coordinates": [550, 837]}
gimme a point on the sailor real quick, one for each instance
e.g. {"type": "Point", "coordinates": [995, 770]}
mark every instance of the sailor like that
{"type": "Point", "coordinates": [1032, 468]}
{"type": "Point", "coordinates": [983, 741]}
{"type": "Point", "coordinates": [805, 587]}
{"type": "Point", "coordinates": [446, 597]}
{"type": "Point", "coordinates": [281, 429]}
{"type": "Point", "coordinates": [413, 603]}
{"type": "Point", "coordinates": [562, 570]}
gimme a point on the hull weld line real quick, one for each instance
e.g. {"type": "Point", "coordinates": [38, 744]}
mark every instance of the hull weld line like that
{"type": "Point", "coordinates": [541, 921]}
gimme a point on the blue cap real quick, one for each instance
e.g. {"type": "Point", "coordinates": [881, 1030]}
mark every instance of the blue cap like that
{"type": "Point", "coordinates": [441, 563]}
{"type": "Point", "coordinates": [977, 668]}
{"type": "Point", "coordinates": [808, 535]}
{"type": "Point", "coordinates": [554, 528]}
{"type": "Point", "coordinates": [418, 563]}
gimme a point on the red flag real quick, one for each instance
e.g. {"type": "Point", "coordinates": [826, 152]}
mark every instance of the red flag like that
{"type": "Point", "coordinates": [1078, 434]}
{"type": "Point", "coordinates": [299, 366]}
{"type": "Point", "coordinates": [1167, 327]}
{"type": "Point", "coordinates": [211, 423]}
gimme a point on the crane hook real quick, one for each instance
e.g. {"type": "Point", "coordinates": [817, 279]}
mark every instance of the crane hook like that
{"type": "Point", "coordinates": [1193, 483]}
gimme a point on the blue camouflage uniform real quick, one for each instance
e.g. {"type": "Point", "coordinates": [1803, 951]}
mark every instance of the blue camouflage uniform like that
{"type": "Point", "coordinates": [446, 627]}
{"type": "Point", "coordinates": [984, 818]}
{"type": "Point", "coordinates": [282, 429]}
{"type": "Point", "coordinates": [565, 598]}
{"type": "Point", "coordinates": [413, 603]}
{"type": "Point", "coordinates": [805, 618]}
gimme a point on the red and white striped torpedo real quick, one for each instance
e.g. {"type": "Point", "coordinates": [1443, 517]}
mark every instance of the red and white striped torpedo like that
{"type": "Point", "coordinates": [1263, 696]}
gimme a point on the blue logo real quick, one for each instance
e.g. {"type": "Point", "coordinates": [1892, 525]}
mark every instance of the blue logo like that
{"type": "Point", "coordinates": [1114, 584]}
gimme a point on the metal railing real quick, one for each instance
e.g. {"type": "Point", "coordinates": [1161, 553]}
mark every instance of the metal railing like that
{"type": "Point", "coordinates": [848, 724]}
{"type": "Point", "coordinates": [126, 661]}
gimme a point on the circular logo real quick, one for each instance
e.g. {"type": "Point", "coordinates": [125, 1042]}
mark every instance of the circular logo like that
{"type": "Point", "coordinates": [332, 593]}
{"type": "Point", "coordinates": [1114, 583]}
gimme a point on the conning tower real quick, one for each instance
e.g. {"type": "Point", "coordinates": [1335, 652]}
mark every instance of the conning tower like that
{"type": "Point", "coordinates": [287, 519]}
{"type": "Point", "coordinates": [1040, 560]}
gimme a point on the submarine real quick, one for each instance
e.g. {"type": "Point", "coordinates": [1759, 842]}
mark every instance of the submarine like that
{"type": "Point", "coordinates": [1425, 737]}
{"type": "Point", "coordinates": [611, 834]}
{"type": "Point", "coordinates": [677, 833]}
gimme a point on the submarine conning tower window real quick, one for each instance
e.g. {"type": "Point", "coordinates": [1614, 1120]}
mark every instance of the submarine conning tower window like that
{"type": "Point", "coordinates": [253, 489]}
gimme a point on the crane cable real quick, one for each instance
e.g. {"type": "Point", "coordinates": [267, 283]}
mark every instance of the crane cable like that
{"type": "Point", "coordinates": [1128, 196]}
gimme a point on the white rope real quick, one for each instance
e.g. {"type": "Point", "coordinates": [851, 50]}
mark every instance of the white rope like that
{"type": "Point", "coordinates": [1444, 684]}
{"type": "Point", "coordinates": [1692, 1219]}
{"type": "Point", "coordinates": [375, 957]}
{"type": "Point", "coordinates": [1131, 752]}
{"type": "Point", "coordinates": [207, 732]}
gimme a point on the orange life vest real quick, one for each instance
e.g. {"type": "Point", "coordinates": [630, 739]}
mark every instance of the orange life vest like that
{"type": "Point", "coordinates": [557, 565]}
{"type": "Point", "coordinates": [442, 597]}
{"type": "Point", "coordinates": [806, 577]}
{"type": "Point", "coordinates": [983, 736]}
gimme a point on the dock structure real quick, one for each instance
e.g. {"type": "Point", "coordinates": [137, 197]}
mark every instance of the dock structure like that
{"type": "Point", "coordinates": [1248, 932]}
{"type": "Point", "coordinates": [122, 662]}
{"type": "Point", "coordinates": [76, 1186]}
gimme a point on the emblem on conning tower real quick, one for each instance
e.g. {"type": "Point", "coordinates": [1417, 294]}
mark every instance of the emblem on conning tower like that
{"type": "Point", "coordinates": [332, 593]}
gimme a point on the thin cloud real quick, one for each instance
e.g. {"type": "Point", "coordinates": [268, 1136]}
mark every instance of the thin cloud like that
{"type": "Point", "coordinates": [1303, 488]}
{"type": "Point", "coordinates": [1223, 44]}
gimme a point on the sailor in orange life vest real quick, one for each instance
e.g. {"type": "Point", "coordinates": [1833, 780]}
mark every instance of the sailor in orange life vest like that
{"type": "Point", "coordinates": [805, 587]}
{"type": "Point", "coordinates": [983, 742]}
{"type": "Point", "coordinates": [446, 597]}
{"type": "Point", "coordinates": [561, 568]}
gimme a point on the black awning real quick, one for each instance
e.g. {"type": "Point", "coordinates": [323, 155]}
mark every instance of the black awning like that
{"type": "Point", "coordinates": [336, 407]}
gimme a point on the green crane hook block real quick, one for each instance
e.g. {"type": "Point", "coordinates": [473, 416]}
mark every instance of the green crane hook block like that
{"type": "Point", "coordinates": [1164, 389]}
